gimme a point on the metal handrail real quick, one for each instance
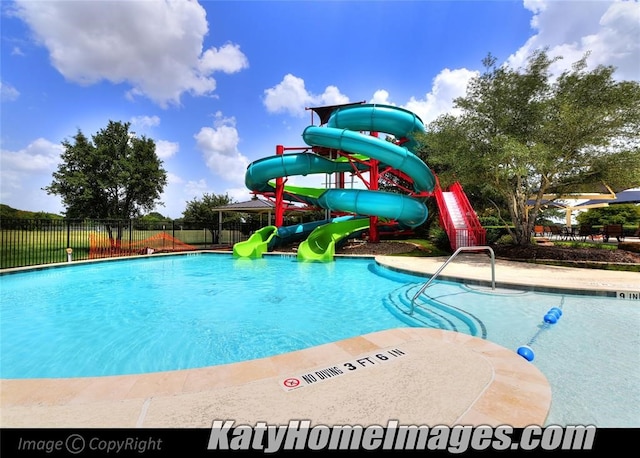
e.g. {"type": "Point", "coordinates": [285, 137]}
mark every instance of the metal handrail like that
{"type": "Point", "coordinates": [462, 248]}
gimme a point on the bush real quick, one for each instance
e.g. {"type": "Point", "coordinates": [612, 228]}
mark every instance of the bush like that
{"type": "Point", "coordinates": [615, 214]}
{"type": "Point", "coordinates": [629, 246]}
{"type": "Point", "coordinates": [489, 221]}
{"type": "Point", "coordinates": [505, 239]}
{"type": "Point", "coordinates": [439, 237]}
{"type": "Point", "coordinates": [495, 233]}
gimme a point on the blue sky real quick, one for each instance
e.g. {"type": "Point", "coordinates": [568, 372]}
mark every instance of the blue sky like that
{"type": "Point", "coordinates": [218, 84]}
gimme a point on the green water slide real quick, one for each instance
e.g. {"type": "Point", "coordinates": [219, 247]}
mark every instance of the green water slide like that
{"type": "Point", "coordinates": [321, 243]}
{"type": "Point", "coordinates": [257, 244]}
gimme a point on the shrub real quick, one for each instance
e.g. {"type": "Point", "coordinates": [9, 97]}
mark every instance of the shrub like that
{"type": "Point", "coordinates": [505, 239]}
{"type": "Point", "coordinates": [439, 238]}
{"type": "Point", "coordinates": [629, 246]}
{"type": "Point", "coordinates": [489, 221]}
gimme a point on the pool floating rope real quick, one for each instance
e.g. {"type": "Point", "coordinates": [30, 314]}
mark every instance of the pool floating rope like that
{"type": "Point", "coordinates": [551, 317]}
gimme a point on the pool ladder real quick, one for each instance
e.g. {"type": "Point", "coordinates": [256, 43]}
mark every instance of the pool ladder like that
{"type": "Point", "coordinates": [462, 248]}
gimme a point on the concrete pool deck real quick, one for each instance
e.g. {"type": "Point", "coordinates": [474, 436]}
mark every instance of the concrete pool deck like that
{"type": "Point", "coordinates": [476, 267]}
{"type": "Point", "coordinates": [412, 375]}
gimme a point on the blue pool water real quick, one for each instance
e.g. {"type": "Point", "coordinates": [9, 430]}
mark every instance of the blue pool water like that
{"type": "Point", "coordinates": [187, 311]}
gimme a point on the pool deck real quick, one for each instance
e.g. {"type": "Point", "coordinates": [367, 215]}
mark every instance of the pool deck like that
{"type": "Point", "coordinates": [413, 375]}
{"type": "Point", "coordinates": [476, 268]}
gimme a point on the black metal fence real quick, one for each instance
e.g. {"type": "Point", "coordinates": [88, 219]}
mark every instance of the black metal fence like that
{"type": "Point", "coordinates": [28, 242]}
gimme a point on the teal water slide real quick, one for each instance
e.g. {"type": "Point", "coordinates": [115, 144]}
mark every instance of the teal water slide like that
{"type": "Point", "coordinates": [343, 131]}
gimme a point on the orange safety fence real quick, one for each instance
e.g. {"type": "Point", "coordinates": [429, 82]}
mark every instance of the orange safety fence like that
{"type": "Point", "coordinates": [102, 247]}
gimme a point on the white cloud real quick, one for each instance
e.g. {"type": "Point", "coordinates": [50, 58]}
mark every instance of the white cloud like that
{"type": "Point", "coordinates": [381, 96]}
{"type": "Point", "coordinates": [145, 121]}
{"type": "Point", "coordinates": [610, 31]}
{"type": "Point", "coordinates": [165, 149]}
{"type": "Point", "coordinates": [153, 46]}
{"type": "Point", "coordinates": [332, 96]}
{"type": "Point", "coordinates": [447, 86]}
{"type": "Point", "coordinates": [178, 192]}
{"type": "Point", "coordinates": [24, 173]}
{"type": "Point", "coordinates": [172, 178]}
{"type": "Point", "coordinates": [219, 147]}
{"type": "Point", "coordinates": [238, 194]}
{"type": "Point", "coordinates": [197, 188]}
{"type": "Point", "coordinates": [40, 156]}
{"type": "Point", "coordinates": [291, 96]}
{"type": "Point", "coordinates": [8, 93]}
{"type": "Point", "coordinates": [227, 59]}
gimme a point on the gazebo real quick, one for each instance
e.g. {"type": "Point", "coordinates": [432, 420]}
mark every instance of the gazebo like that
{"type": "Point", "coordinates": [628, 196]}
{"type": "Point", "coordinates": [596, 199]}
{"type": "Point", "coordinates": [258, 206]}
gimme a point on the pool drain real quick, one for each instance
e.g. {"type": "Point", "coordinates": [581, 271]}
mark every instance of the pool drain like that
{"type": "Point", "coordinates": [550, 318]}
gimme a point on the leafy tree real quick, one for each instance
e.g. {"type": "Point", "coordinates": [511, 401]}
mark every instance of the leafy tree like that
{"type": "Point", "coordinates": [522, 134]}
{"type": "Point", "coordinates": [154, 216]}
{"type": "Point", "coordinates": [613, 214]}
{"type": "Point", "coordinates": [547, 216]}
{"type": "Point", "coordinates": [204, 211]}
{"type": "Point", "coordinates": [116, 176]}
{"type": "Point", "coordinates": [7, 212]}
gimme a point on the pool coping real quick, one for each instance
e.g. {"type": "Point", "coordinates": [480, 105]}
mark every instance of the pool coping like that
{"type": "Point", "coordinates": [510, 390]}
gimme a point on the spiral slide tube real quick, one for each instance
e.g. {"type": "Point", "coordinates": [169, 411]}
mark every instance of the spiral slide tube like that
{"type": "Point", "coordinates": [342, 131]}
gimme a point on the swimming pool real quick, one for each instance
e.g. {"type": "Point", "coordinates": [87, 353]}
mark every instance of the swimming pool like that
{"type": "Point", "coordinates": [175, 312]}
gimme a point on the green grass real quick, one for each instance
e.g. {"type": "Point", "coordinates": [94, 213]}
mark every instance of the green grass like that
{"type": "Point", "coordinates": [590, 265]}
{"type": "Point", "coordinates": [595, 245]}
{"type": "Point", "coordinates": [424, 249]}
{"type": "Point", "coordinates": [26, 248]}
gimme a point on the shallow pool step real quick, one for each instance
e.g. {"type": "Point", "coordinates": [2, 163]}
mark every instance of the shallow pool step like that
{"type": "Point", "coordinates": [430, 312]}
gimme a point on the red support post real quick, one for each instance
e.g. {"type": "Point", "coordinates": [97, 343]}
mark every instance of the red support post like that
{"type": "Point", "coordinates": [279, 193]}
{"type": "Point", "coordinates": [374, 236]}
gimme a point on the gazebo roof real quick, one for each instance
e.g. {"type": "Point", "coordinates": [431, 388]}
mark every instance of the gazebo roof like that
{"type": "Point", "coordinates": [629, 196]}
{"type": "Point", "coordinates": [249, 206]}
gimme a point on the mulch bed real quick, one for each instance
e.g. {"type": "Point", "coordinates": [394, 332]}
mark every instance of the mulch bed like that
{"type": "Point", "coordinates": [512, 252]}
{"type": "Point", "coordinates": [557, 253]}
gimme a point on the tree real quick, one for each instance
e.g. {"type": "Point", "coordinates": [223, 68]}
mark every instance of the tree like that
{"type": "Point", "coordinates": [154, 216]}
{"type": "Point", "coordinates": [613, 214]}
{"type": "Point", "coordinates": [522, 134]}
{"type": "Point", "coordinates": [115, 176]}
{"type": "Point", "coordinates": [204, 211]}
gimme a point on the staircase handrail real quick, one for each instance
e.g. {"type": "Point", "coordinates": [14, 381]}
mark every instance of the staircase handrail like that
{"type": "Point", "coordinates": [472, 222]}
{"type": "Point", "coordinates": [443, 211]}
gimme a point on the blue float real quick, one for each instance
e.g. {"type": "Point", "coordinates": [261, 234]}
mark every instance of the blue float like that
{"type": "Point", "coordinates": [526, 352]}
{"type": "Point", "coordinates": [551, 317]}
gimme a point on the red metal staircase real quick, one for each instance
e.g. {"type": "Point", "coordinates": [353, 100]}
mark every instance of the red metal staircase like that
{"type": "Point", "coordinates": [458, 218]}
